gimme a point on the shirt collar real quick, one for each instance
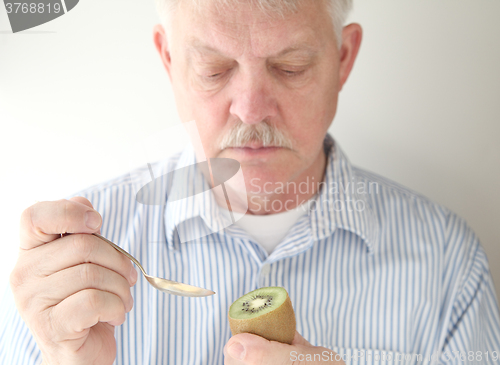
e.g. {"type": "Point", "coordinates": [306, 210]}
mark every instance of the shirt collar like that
{"type": "Point", "coordinates": [342, 202]}
{"type": "Point", "coordinates": [190, 197]}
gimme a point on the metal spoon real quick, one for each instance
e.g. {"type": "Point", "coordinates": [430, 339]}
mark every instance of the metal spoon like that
{"type": "Point", "coordinates": [164, 285]}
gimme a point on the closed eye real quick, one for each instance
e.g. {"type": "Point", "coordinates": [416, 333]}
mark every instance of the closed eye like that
{"type": "Point", "coordinates": [214, 75]}
{"type": "Point", "coordinates": [290, 73]}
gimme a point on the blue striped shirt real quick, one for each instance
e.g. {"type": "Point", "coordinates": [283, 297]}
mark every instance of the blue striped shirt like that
{"type": "Point", "coordinates": [390, 275]}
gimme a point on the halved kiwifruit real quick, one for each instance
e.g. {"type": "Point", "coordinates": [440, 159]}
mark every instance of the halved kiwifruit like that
{"type": "Point", "coordinates": [266, 312]}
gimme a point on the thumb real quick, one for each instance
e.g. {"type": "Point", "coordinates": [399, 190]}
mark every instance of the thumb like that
{"type": "Point", "coordinates": [45, 221]}
{"type": "Point", "coordinates": [246, 348]}
{"type": "Point", "coordinates": [300, 341]}
{"type": "Point", "coordinates": [84, 201]}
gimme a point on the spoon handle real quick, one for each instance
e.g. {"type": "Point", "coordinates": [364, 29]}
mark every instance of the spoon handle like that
{"type": "Point", "coordinates": [118, 248]}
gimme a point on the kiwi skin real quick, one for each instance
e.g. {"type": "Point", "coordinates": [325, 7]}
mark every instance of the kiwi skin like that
{"type": "Point", "coordinates": [277, 325]}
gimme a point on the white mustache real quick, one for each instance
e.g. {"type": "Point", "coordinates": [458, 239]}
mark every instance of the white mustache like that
{"type": "Point", "coordinates": [265, 133]}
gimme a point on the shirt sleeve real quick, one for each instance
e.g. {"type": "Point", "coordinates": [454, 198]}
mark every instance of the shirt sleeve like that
{"type": "Point", "coordinates": [472, 324]}
{"type": "Point", "coordinates": [17, 345]}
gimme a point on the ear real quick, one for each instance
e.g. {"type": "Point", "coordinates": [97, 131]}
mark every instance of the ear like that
{"type": "Point", "coordinates": [162, 46]}
{"type": "Point", "coordinates": [351, 42]}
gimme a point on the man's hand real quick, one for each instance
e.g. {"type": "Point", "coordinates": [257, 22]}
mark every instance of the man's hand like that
{"type": "Point", "coordinates": [70, 291]}
{"type": "Point", "coordinates": [250, 349]}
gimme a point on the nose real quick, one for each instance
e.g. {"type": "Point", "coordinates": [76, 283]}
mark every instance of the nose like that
{"type": "Point", "coordinates": [253, 100]}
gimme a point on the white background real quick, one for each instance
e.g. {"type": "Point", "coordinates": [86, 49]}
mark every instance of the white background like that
{"type": "Point", "coordinates": [421, 106]}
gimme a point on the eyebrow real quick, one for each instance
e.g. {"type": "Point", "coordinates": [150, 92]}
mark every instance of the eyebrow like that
{"type": "Point", "coordinates": [198, 46]}
{"type": "Point", "coordinates": [300, 47]}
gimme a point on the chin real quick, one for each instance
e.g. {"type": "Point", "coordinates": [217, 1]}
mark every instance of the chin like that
{"type": "Point", "coordinates": [262, 182]}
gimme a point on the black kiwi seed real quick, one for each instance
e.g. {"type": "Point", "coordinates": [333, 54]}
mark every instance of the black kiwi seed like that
{"type": "Point", "coordinates": [246, 305]}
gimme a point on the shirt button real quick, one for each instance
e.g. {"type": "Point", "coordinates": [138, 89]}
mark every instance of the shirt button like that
{"type": "Point", "coordinates": [266, 268]}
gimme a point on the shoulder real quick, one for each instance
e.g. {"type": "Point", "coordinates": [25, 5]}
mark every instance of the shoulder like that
{"type": "Point", "coordinates": [432, 227]}
{"type": "Point", "coordinates": [380, 184]}
{"type": "Point", "coordinates": [393, 202]}
{"type": "Point", "coordinates": [390, 194]}
{"type": "Point", "coordinates": [125, 186]}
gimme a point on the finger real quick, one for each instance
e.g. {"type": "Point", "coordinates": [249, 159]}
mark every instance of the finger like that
{"type": "Point", "coordinates": [299, 340]}
{"type": "Point", "coordinates": [44, 221]}
{"type": "Point", "coordinates": [79, 312]}
{"type": "Point", "coordinates": [79, 249]}
{"type": "Point", "coordinates": [246, 348]}
{"type": "Point", "coordinates": [62, 284]}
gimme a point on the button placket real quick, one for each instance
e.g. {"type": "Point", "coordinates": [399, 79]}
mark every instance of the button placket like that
{"type": "Point", "coordinates": [264, 275]}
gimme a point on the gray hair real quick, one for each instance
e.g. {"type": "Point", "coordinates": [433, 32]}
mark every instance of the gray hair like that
{"type": "Point", "coordinates": [338, 9]}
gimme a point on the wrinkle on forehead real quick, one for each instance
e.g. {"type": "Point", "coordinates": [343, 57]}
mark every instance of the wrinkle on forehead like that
{"type": "Point", "coordinates": [245, 29]}
{"type": "Point", "coordinates": [244, 14]}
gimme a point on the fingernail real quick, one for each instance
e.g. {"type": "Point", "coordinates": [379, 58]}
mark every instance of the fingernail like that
{"type": "Point", "coordinates": [92, 220]}
{"type": "Point", "coordinates": [236, 351]}
{"type": "Point", "coordinates": [133, 275]}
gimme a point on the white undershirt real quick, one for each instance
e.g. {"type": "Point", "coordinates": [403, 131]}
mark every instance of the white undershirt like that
{"type": "Point", "coordinates": [269, 230]}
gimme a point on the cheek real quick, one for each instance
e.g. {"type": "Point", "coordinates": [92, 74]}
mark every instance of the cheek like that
{"type": "Point", "coordinates": [210, 113]}
{"type": "Point", "coordinates": [211, 120]}
{"type": "Point", "coordinates": [310, 114]}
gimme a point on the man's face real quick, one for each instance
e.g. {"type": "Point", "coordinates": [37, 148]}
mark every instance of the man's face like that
{"type": "Point", "coordinates": [241, 67]}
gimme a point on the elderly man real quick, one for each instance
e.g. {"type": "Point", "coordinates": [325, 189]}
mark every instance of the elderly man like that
{"type": "Point", "coordinates": [376, 273]}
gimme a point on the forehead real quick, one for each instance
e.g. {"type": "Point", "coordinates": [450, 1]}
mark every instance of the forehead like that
{"type": "Point", "coordinates": [244, 28]}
